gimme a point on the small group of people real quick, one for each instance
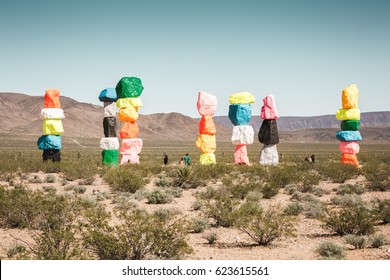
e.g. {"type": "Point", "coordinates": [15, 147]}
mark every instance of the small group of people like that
{"type": "Point", "coordinates": [312, 158]}
{"type": "Point", "coordinates": [184, 161]}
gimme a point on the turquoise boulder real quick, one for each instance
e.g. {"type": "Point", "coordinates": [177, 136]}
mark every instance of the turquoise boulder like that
{"type": "Point", "coordinates": [49, 142]}
{"type": "Point", "coordinates": [108, 95]}
{"type": "Point", "coordinates": [348, 135]}
{"type": "Point", "coordinates": [240, 114]}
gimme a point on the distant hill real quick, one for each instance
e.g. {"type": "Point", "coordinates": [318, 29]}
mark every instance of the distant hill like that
{"type": "Point", "coordinates": [19, 115]}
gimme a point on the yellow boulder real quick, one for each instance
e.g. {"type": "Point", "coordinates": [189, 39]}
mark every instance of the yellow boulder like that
{"type": "Point", "coordinates": [128, 114]}
{"type": "Point", "coordinates": [206, 143]}
{"type": "Point", "coordinates": [348, 114]}
{"type": "Point", "coordinates": [241, 98]}
{"type": "Point", "coordinates": [52, 127]}
{"type": "Point", "coordinates": [349, 97]}
{"type": "Point", "coordinates": [207, 159]}
{"type": "Point", "coordinates": [129, 102]}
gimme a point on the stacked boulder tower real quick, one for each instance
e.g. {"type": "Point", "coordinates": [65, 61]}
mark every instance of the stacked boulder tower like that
{"type": "Point", "coordinates": [268, 134]}
{"type": "Point", "coordinates": [206, 142]}
{"type": "Point", "coordinates": [128, 91]}
{"type": "Point", "coordinates": [109, 143]}
{"type": "Point", "coordinates": [349, 135]}
{"type": "Point", "coordinates": [240, 111]}
{"type": "Point", "coordinates": [50, 142]}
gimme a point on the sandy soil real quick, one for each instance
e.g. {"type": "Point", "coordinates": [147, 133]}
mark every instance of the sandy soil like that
{"type": "Point", "coordinates": [231, 243]}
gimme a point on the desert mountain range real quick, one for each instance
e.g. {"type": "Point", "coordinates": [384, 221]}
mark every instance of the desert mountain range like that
{"type": "Point", "coordinates": [19, 115]}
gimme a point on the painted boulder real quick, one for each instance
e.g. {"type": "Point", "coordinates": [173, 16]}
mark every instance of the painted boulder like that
{"type": "Point", "coordinates": [52, 113]}
{"type": "Point", "coordinates": [348, 114]}
{"type": "Point", "coordinates": [110, 109]}
{"type": "Point", "coordinates": [109, 143]}
{"type": "Point", "coordinates": [52, 126]}
{"type": "Point", "coordinates": [207, 159]}
{"type": "Point", "coordinates": [52, 98]}
{"type": "Point", "coordinates": [347, 135]}
{"type": "Point", "coordinates": [242, 134]}
{"type": "Point", "coordinates": [129, 130]}
{"type": "Point", "coordinates": [128, 114]}
{"type": "Point", "coordinates": [49, 142]}
{"type": "Point", "coordinates": [131, 146]}
{"type": "Point", "coordinates": [269, 155]}
{"type": "Point", "coordinates": [129, 102]}
{"type": "Point", "coordinates": [108, 95]}
{"type": "Point", "coordinates": [109, 126]}
{"type": "Point", "coordinates": [350, 159]}
{"type": "Point", "coordinates": [207, 126]}
{"type": "Point", "coordinates": [349, 147]}
{"type": "Point", "coordinates": [129, 87]}
{"type": "Point", "coordinates": [349, 97]}
{"type": "Point", "coordinates": [268, 133]}
{"type": "Point", "coordinates": [350, 125]}
{"type": "Point", "coordinates": [207, 104]}
{"type": "Point", "coordinates": [240, 114]}
{"type": "Point", "coordinates": [268, 111]}
{"type": "Point", "coordinates": [241, 155]}
{"type": "Point", "coordinates": [110, 157]}
{"type": "Point", "coordinates": [206, 143]}
{"type": "Point", "coordinates": [241, 98]}
{"type": "Point", "coordinates": [132, 158]}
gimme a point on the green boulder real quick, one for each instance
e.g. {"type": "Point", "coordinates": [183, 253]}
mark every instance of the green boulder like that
{"type": "Point", "coordinates": [110, 157]}
{"type": "Point", "coordinates": [129, 87]}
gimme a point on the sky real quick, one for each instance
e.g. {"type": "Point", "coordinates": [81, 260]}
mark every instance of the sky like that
{"type": "Point", "coordinates": [302, 52]}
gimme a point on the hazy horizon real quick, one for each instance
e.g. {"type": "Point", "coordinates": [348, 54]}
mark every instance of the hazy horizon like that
{"type": "Point", "coordinates": [302, 52]}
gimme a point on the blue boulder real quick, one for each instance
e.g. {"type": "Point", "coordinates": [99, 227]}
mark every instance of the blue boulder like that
{"type": "Point", "coordinates": [108, 95]}
{"type": "Point", "coordinates": [49, 142]}
{"type": "Point", "coordinates": [348, 135]}
{"type": "Point", "coordinates": [240, 114]}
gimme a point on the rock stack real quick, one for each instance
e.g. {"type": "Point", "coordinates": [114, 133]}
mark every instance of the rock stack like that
{"type": "Point", "coordinates": [109, 143]}
{"type": "Point", "coordinates": [206, 142]}
{"type": "Point", "coordinates": [240, 111]}
{"type": "Point", "coordinates": [50, 141]}
{"type": "Point", "coordinates": [128, 91]}
{"type": "Point", "coordinates": [349, 134]}
{"type": "Point", "coordinates": [268, 133]}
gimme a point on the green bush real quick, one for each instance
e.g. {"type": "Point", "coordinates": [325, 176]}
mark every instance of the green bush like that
{"type": "Point", "coordinates": [197, 205]}
{"type": "Point", "coordinates": [337, 172]}
{"type": "Point", "coordinates": [293, 209]}
{"type": "Point", "coordinates": [355, 219]}
{"type": "Point", "coordinates": [350, 189]}
{"type": "Point", "coordinates": [211, 237]}
{"type": "Point", "coordinates": [269, 190]}
{"type": "Point", "coordinates": [269, 225]}
{"type": "Point", "coordinates": [357, 241]}
{"type": "Point", "coordinates": [198, 225]}
{"type": "Point", "coordinates": [377, 240]}
{"type": "Point", "coordinates": [331, 251]}
{"type": "Point", "coordinates": [383, 210]}
{"type": "Point", "coordinates": [126, 178]}
{"type": "Point", "coordinates": [159, 196]}
{"type": "Point", "coordinates": [140, 236]}
{"type": "Point", "coordinates": [50, 179]}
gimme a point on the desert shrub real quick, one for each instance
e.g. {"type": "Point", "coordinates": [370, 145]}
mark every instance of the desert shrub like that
{"type": "Point", "coordinates": [164, 213]}
{"type": "Point", "coordinates": [18, 251]}
{"type": "Point", "coordinates": [163, 182]}
{"type": "Point", "coordinates": [212, 172]}
{"type": "Point", "coordinates": [337, 172]}
{"type": "Point", "coordinates": [310, 180]}
{"type": "Point", "coordinates": [347, 200]}
{"type": "Point", "coordinates": [175, 192]}
{"type": "Point", "coordinates": [211, 237]}
{"type": "Point", "coordinates": [377, 175]}
{"type": "Point", "coordinates": [269, 190]}
{"type": "Point", "coordinates": [159, 196]}
{"type": "Point", "coordinates": [357, 241]}
{"type": "Point", "coordinates": [314, 209]}
{"type": "Point", "coordinates": [221, 208]}
{"type": "Point", "coordinates": [208, 193]}
{"type": "Point", "coordinates": [79, 189]}
{"type": "Point", "coordinates": [50, 178]}
{"type": "Point", "coordinates": [254, 196]}
{"type": "Point", "coordinates": [331, 251]}
{"type": "Point", "coordinates": [293, 209]}
{"type": "Point", "coordinates": [126, 178]}
{"type": "Point", "coordinates": [350, 189]}
{"type": "Point", "coordinates": [269, 225]}
{"type": "Point", "coordinates": [198, 225]}
{"type": "Point", "coordinates": [139, 236]}
{"type": "Point", "coordinates": [49, 189]}
{"type": "Point", "coordinates": [35, 180]}
{"type": "Point", "coordinates": [186, 177]}
{"type": "Point", "coordinates": [240, 188]}
{"type": "Point", "coordinates": [18, 207]}
{"type": "Point", "coordinates": [280, 176]}
{"type": "Point", "coordinates": [197, 205]}
{"type": "Point", "coordinates": [355, 219]}
{"type": "Point", "coordinates": [383, 210]}
{"type": "Point", "coordinates": [377, 240]}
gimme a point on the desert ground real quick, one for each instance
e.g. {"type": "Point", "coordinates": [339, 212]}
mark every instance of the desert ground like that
{"type": "Point", "coordinates": [310, 199]}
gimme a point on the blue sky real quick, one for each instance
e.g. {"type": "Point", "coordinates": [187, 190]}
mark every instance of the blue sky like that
{"type": "Point", "coordinates": [302, 52]}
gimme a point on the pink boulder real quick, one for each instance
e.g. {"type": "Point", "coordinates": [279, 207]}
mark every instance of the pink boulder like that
{"type": "Point", "coordinates": [207, 104]}
{"type": "Point", "coordinates": [349, 147]}
{"type": "Point", "coordinates": [241, 155]}
{"type": "Point", "coordinates": [268, 111]}
{"type": "Point", "coordinates": [131, 146]}
{"type": "Point", "coordinates": [130, 158]}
